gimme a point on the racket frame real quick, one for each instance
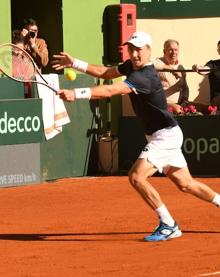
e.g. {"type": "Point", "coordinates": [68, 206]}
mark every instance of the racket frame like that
{"type": "Point", "coordinates": [36, 69]}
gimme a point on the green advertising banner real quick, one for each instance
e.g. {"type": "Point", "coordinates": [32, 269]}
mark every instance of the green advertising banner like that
{"type": "Point", "coordinates": [175, 8]}
{"type": "Point", "coordinates": [20, 121]}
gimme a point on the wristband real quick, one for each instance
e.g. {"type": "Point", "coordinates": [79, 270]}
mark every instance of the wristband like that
{"type": "Point", "coordinates": [82, 93]}
{"type": "Point", "coordinates": [80, 65]}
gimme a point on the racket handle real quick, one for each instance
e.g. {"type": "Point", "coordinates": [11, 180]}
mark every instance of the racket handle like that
{"type": "Point", "coordinates": [47, 85]}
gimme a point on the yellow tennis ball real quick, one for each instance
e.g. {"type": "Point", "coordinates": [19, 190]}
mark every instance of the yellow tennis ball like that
{"type": "Point", "coordinates": [70, 75]}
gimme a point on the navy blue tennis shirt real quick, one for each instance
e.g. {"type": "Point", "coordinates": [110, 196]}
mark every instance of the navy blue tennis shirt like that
{"type": "Point", "coordinates": [148, 99]}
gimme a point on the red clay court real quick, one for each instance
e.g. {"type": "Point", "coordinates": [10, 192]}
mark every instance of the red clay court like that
{"type": "Point", "coordinates": [89, 227]}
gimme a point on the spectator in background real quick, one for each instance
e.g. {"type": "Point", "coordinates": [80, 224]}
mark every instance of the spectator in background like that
{"type": "Point", "coordinates": [19, 40]}
{"type": "Point", "coordinates": [213, 71]}
{"type": "Point", "coordinates": [174, 83]}
{"type": "Point", "coordinates": [35, 46]}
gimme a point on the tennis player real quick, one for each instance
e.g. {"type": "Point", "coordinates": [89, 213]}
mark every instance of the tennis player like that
{"type": "Point", "coordinates": [163, 150]}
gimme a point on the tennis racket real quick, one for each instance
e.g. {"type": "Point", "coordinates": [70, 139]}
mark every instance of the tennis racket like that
{"type": "Point", "coordinates": [18, 65]}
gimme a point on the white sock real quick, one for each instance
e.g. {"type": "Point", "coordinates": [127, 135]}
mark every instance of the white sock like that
{"type": "Point", "coordinates": [216, 200]}
{"type": "Point", "coordinates": [164, 215]}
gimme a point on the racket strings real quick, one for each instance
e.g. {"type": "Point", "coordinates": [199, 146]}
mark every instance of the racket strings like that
{"type": "Point", "coordinates": [16, 63]}
{"type": "Point", "coordinates": [22, 66]}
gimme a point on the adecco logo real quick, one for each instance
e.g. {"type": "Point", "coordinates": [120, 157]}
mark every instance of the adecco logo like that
{"type": "Point", "coordinates": [201, 146]}
{"type": "Point", "coordinates": [21, 124]}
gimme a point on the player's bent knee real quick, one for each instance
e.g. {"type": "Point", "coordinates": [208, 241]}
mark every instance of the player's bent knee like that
{"type": "Point", "coordinates": [135, 179]}
{"type": "Point", "coordinates": [182, 181]}
{"type": "Point", "coordinates": [184, 189]}
{"type": "Point", "coordinates": [184, 186]}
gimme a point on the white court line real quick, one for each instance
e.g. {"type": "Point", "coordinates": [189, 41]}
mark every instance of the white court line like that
{"type": "Point", "coordinates": [209, 274]}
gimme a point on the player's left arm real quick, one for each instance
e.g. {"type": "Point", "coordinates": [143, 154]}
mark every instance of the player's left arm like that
{"type": "Point", "coordinates": [103, 72]}
{"type": "Point", "coordinates": [65, 60]}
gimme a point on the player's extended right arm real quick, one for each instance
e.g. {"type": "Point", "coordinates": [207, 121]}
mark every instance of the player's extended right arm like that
{"type": "Point", "coordinates": [96, 92]}
{"type": "Point", "coordinates": [64, 60]}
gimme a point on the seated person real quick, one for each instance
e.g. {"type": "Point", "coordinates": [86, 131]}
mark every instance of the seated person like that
{"type": "Point", "coordinates": [174, 83]}
{"type": "Point", "coordinates": [213, 71]}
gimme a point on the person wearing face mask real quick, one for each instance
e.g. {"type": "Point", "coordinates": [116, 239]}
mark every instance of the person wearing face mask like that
{"type": "Point", "coordinates": [34, 45]}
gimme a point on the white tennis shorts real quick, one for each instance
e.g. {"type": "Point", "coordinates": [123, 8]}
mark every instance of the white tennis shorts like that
{"type": "Point", "coordinates": [164, 149]}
